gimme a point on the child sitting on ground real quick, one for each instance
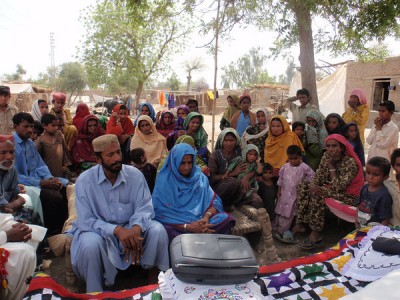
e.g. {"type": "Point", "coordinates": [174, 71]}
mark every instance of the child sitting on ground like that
{"type": "Point", "coordinates": [290, 176]}
{"type": "Point", "coordinates": [139, 160]}
{"type": "Point", "coordinates": [374, 204]}
{"type": "Point", "coordinates": [252, 160]}
{"type": "Point", "coordinates": [267, 189]}
{"type": "Point", "coordinates": [52, 147]}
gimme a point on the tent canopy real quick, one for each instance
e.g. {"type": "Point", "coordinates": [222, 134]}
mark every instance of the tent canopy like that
{"type": "Point", "coordinates": [331, 90]}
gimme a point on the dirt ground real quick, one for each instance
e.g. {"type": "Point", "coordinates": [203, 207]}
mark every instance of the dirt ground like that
{"type": "Point", "coordinates": [135, 277]}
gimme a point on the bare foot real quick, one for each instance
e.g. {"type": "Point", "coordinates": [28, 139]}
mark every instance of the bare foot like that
{"type": "Point", "coordinates": [315, 236]}
{"type": "Point", "coordinates": [299, 227]}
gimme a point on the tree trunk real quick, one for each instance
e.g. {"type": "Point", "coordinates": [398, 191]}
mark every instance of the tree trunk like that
{"type": "Point", "coordinates": [189, 80]}
{"type": "Point", "coordinates": [139, 90]}
{"type": "Point", "coordinates": [69, 99]}
{"type": "Point", "coordinates": [73, 101]}
{"type": "Point", "coordinates": [215, 74]}
{"type": "Point", "coordinates": [306, 57]}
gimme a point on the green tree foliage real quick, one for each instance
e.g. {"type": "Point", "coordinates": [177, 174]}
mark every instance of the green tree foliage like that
{"type": "Point", "coordinates": [48, 78]}
{"type": "Point", "coordinates": [342, 27]}
{"type": "Point", "coordinates": [72, 79]}
{"type": "Point", "coordinates": [174, 82]}
{"type": "Point", "coordinates": [19, 73]}
{"type": "Point", "coordinates": [134, 38]}
{"type": "Point", "coordinates": [247, 70]}
{"type": "Point", "coordinates": [289, 72]}
{"type": "Point", "coordinates": [43, 79]}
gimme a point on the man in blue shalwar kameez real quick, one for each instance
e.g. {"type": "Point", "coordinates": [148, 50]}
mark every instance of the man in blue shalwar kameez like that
{"type": "Point", "coordinates": [114, 227]}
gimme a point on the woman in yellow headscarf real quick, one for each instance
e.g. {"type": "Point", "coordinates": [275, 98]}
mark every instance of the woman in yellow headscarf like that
{"type": "Point", "coordinates": [280, 137]}
{"type": "Point", "coordinates": [233, 107]}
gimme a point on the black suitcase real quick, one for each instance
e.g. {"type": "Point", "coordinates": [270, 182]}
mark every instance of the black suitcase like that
{"type": "Point", "coordinates": [213, 259]}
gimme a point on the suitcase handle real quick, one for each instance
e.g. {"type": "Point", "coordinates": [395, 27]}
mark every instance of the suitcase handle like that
{"type": "Point", "coordinates": [193, 265]}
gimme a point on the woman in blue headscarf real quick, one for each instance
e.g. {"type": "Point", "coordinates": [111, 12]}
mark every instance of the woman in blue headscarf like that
{"type": "Point", "coordinates": [183, 200]}
{"type": "Point", "coordinates": [145, 108]}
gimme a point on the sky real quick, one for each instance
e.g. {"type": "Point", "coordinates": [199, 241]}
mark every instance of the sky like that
{"type": "Point", "coordinates": [26, 26]}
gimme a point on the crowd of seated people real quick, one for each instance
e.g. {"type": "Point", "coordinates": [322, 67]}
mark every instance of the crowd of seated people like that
{"type": "Point", "coordinates": [141, 183]}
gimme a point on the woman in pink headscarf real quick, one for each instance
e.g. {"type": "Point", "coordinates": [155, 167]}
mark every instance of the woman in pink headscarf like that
{"type": "Point", "coordinates": [358, 111]}
{"type": "Point", "coordinates": [339, 176]}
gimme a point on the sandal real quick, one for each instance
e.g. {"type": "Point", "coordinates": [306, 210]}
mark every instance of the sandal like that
{"type": "Point", "coordinates": [307, 244]}
{"type": "Point", "coordinates": [286, 237]}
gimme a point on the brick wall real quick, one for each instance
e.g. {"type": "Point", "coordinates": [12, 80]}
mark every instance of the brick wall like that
{"type": "Point", "coordinates": [363, 75]}
{"type": "Point", "coordinates": [24, 101]}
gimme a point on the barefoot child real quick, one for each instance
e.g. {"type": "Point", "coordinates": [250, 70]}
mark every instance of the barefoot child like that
{"type": "Point", "coordinates": [375, 202]}
{"type": "Point", "coordinates": [52, 147]}
{"type": "Point", "coordinates": [290, 175]}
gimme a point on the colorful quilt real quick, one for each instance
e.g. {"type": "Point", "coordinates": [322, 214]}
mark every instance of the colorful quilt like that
{"type": "Point", "coordinates": [314, 277]}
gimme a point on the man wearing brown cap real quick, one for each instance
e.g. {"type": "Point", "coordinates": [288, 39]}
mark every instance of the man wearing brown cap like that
{"type": "Point", "coordinates": [58, 110]}
{"type": "Point", "coordinates": [7, 111]}
{"type": "Point", "coordinates": [114, 227]}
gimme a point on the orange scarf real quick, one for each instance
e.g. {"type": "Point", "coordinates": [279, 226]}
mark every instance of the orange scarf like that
{"type": "Point", "coordinates": [154, 144]}
{"type": "Point", "coordinates": [276, 146]}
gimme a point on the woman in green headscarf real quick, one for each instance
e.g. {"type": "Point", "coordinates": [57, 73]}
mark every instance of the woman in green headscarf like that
{"type": "Point", "coordinates": [230, 189]}
{"type": "Point", "coordinates": [187, 139]}
{"type": "Point", "coordinates": [233, 107]}
{"type": "Point", "coordinates": [315, 138]}
{"type": "Point", "coordinates": [193, 126]}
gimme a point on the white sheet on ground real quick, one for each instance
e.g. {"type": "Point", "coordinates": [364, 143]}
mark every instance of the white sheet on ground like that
{"type": "Point", "coordinates": [384, 288]}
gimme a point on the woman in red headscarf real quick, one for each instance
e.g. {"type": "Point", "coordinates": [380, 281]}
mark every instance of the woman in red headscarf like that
{"type": "Point", "coordinates": [122, 126]}
{"type": "Point", "coordinates": [82, 153]}
{"type": "Point", "coordinates": [339, 176]}
{"type": "Point", "coordinates": [358, 111]}
{"type": "Point", "coordinates": [82, 110]}
{"type": "Point", "coordinates": [166, 123]}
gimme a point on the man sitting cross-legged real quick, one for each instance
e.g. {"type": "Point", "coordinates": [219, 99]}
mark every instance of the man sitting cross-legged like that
{"type": "Point", "coordinates": [114, 228]}
{"type": "Point", "coordinates": [20, 241]}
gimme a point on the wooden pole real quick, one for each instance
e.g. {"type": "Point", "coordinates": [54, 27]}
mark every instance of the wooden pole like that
{"type": "Point", "coordinates": [215, 75]}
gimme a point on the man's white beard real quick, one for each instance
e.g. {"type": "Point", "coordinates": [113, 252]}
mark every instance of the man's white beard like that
{"type": "Point", "coordinates": [5, 168]}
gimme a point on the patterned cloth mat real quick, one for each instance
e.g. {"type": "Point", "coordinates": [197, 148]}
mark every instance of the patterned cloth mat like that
{"type": "Point", "coordinates": [313, 277]}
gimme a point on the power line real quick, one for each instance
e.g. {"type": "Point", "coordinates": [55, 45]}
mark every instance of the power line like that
{"type": "Point", "coordinates": [52, 61]}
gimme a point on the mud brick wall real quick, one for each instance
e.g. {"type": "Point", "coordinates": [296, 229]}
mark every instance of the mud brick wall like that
{"type": "Point", "coordinates": [363, 75]}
